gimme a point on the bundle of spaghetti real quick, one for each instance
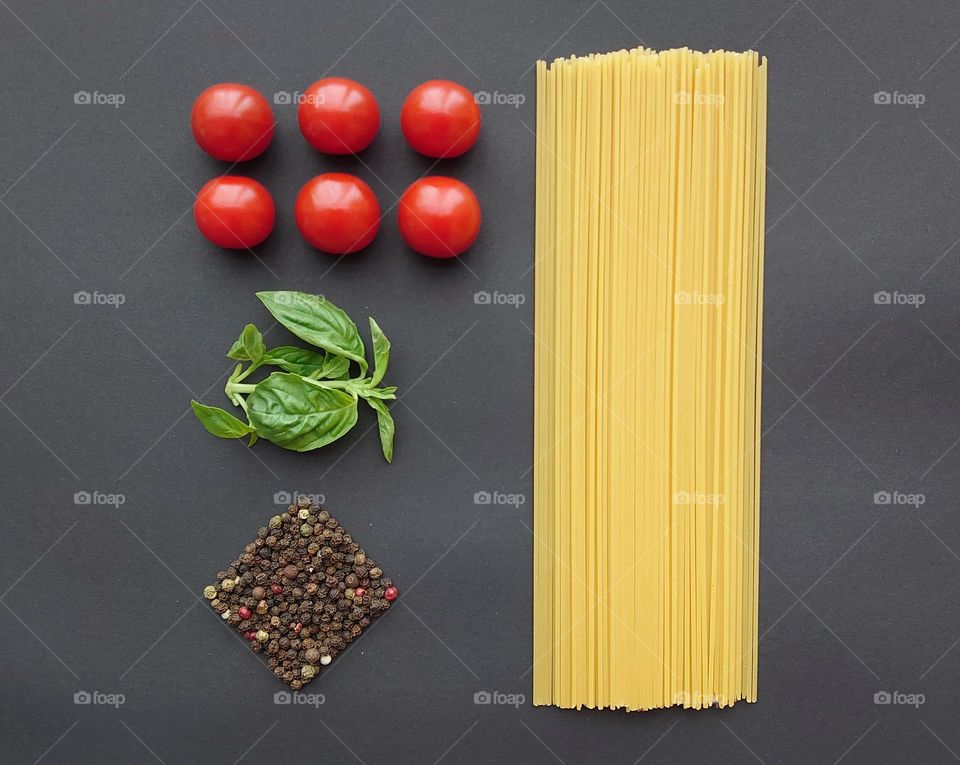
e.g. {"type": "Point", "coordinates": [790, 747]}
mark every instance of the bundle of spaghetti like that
{"type": "Point", "coordinates": [649, 300]}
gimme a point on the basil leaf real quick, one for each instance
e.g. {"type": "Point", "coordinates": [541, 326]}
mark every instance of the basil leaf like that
{"type": "Point", "coordinates": [220, 422]}
{"type": "Point", "coordinates": [237, 352]}
{"type": "Point", "coordinates": [318, 321]}
{"type": "Point", "coordinates": [385, 426]}
{"type": "Point", "coordinates": [296, 415]}
{"type": "Point", "coordinates": [335, 368]}
{"type": "Point", "coordinates": [305, 362]}
{"type": "Point", "coordinates": [381, 352]}
{"type": "Point", "coordinates": [252, 343]}
{"type": "Point", "coordinates": [387, 393]}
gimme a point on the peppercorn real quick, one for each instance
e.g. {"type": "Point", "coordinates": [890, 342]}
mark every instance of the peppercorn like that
{"type": "Point", "coordinates": [391, 593]}
{"type": "Point", "coordinates": [209, 592]}
{"type": "Point", "coordinates": [339, 592]}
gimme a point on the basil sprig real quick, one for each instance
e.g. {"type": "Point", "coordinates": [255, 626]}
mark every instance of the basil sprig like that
{"type": "Point", "coordinates": [313, 400]}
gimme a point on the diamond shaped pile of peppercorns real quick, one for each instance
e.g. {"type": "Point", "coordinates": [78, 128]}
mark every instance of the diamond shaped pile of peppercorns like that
{"type": "Point", "coordinates": [301, 592]}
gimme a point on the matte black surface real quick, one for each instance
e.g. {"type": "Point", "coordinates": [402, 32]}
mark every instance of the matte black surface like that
{"type": "Point", "coordinates": [862, 197]}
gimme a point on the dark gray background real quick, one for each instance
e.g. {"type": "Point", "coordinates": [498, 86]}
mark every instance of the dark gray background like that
{"type": "Point", "coordinates": [858, 397]}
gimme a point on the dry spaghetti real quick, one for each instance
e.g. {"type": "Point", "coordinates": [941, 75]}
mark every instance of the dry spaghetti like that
{"type": "Point", "coordinates": [649, 293]}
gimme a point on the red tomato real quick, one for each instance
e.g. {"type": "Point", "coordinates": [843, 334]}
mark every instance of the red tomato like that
{"type": "Point", "coordinates": [338, 213]}
{"type": "Point", "coordinates": [232, 122]}
{"type": "Point", "coordinates": [234, 212]}
{"type": "Point", "coordinates": [439, 217]}
{"type": "Point", "coordinates": [338, 116]}
{"type": "Point", "coordinates": [440, 119]}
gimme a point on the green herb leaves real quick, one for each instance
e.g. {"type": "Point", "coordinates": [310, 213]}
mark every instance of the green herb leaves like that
{"type": "Point", "coordinates": [318, 321]}
{"type": "Point", "coordinates": [314, 400]}
{"type": "Point", "coordinates": [381, 352]}
{"type": "Point", "coordinates": [220, 422]}
{"type": "Point", "coordinates": [290, 412]}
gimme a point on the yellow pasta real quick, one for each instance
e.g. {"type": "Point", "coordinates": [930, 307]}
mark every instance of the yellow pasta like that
{"type": "Point", "coordinates": [649, 298]}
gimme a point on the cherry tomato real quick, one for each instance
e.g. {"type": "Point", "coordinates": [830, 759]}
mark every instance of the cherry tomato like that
{"type": "Point", "coordinates": [338, 213]}
{"type": "Point", "coordinates": [338, 116]}
{"type": "Point", "coordinates": [439, 217]}
{"type": "Point", "coordinates": [440, 119]}
{"type": "Point", "coordinates": [232, 122]}
{"type": "Point", "coordinates": [234, 212]}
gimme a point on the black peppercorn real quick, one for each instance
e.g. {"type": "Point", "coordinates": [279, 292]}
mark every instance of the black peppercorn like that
{"type": "Point", "coordinates": [299, 579]}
